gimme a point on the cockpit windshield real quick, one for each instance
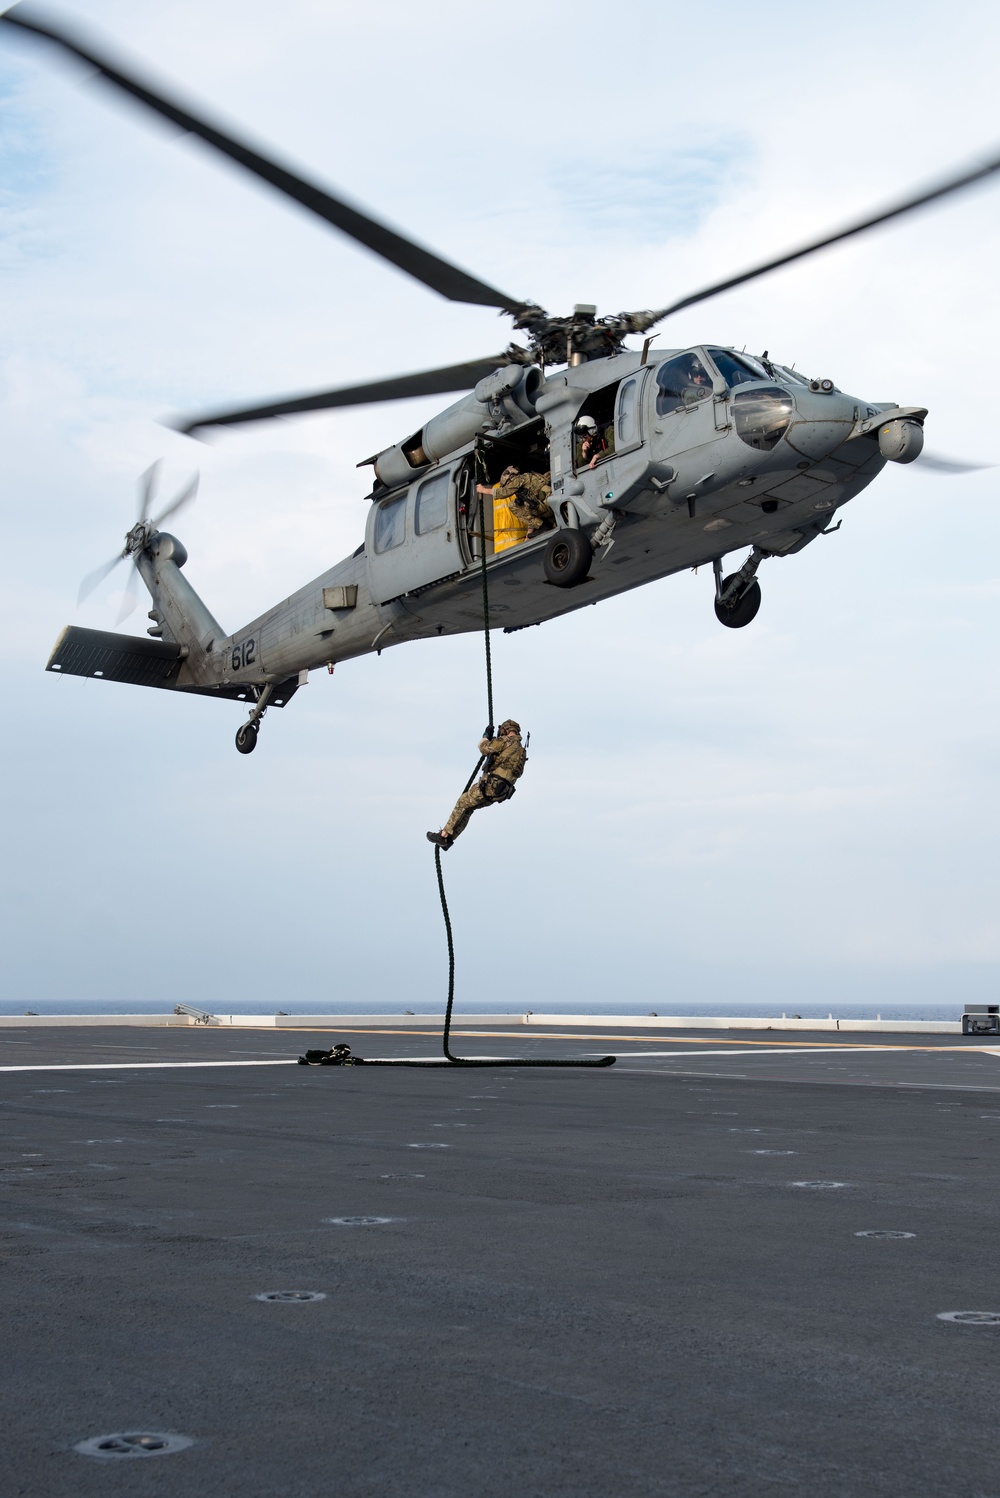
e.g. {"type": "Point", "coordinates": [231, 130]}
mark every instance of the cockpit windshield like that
{"type": "Point", "coordinates": [735, 369]}
{"type": "Point", "coordinates": [681, 382]}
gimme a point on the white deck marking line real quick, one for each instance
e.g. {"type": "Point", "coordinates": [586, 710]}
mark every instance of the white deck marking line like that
{"type": "Point", "coordinates": [167, 1065]}
{"type": "Point", "coordinates": [143, 1065]}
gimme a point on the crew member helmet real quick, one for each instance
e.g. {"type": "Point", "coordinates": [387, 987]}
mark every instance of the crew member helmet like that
{"type": "Point", "coordinates": [586, 424]}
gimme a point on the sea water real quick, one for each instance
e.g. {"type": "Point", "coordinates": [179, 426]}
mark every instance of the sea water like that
{"type": "Point", "coordinates": [466, 1008]}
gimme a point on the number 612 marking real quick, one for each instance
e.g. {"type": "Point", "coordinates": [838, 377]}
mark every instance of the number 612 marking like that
{"type": "Point", "coordinates": [244, 655]}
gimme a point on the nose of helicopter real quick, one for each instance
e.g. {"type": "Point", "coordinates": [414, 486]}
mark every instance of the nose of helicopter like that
{"type": "Point", "coordinates": [821, 421]}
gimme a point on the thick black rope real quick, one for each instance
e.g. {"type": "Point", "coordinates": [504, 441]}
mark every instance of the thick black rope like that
{"type": "Point", "coordinates": [446, 1036]}
{"type": "Point", "coordinates": [486, 612]}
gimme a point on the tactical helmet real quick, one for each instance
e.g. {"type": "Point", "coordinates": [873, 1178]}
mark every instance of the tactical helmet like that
{"type": "Point", "coordinates": [586, 424]}
{"type": "Point", "coordinates": [511, 472]}
{"type": "Point", "coordinates": [508, 725]}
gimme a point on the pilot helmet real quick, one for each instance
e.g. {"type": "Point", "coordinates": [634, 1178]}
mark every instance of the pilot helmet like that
{"type": "Point", "coordinates": [586, 424]}
{"type": "Point", "coordinates": [509, 726]}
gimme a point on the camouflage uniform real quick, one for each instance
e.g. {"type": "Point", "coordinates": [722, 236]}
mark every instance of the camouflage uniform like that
{"type": "Point", "coordinates": [528, 495]}
{"type": "Point", "coordinates": [506, 763]}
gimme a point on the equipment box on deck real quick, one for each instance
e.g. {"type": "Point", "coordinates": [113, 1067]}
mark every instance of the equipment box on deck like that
{"type": "Point", "coordinates": [981, 1019]}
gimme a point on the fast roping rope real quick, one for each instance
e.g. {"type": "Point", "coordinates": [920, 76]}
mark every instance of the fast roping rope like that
{"type": "Point", "coordinates": [449, 1058]}
{"type": "Point", "coordinates": [446, 1035]}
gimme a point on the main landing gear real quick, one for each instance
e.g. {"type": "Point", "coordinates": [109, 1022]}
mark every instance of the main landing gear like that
{"type": "Point", "coordinates": [246, 734]}
{"type": "Point", "coordinates": [568, 558]}
{"type": "Point", "coordinates": [737, 597]}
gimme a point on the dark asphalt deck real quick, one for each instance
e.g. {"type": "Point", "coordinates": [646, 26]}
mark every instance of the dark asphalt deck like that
{"type": "Point", "coordinates": [586, 1283]}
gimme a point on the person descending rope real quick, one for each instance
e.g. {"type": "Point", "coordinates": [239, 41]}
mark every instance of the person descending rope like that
{"type": "Point", "coordinates": [505, 758]}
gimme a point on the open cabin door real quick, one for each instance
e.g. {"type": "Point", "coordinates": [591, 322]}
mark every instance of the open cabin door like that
{"type": "Point", "coordinates": [413, 539]}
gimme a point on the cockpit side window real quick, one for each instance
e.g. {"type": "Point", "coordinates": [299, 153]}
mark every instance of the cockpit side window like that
{"type": "Point", "coordinates": [734, 370]}
{"type": "Point", "coordinates": [681, 382]}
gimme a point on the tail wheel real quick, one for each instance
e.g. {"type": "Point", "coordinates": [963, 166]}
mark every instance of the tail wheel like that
{"type": "Point", "coordinates": [246, 738]}
{"type": "Point", "coordinates": [567, 558]}
{"type": "Point", "coordinates": [738, 614]}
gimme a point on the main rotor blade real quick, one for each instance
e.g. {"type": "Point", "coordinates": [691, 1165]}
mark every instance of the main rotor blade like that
{"type": "Point", "coordinates": [967, 178]}
{"type": "Point", "coordinates": [440, 275]}
{"type": "Point", "coordinates": [396, 388]}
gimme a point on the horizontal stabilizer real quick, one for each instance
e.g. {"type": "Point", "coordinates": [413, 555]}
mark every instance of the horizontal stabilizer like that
{"type": "Point", "coordinates": [141, 663]}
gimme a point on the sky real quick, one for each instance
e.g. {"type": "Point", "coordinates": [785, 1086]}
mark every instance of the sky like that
{"type": "Point", "coordinates": [802, 811]}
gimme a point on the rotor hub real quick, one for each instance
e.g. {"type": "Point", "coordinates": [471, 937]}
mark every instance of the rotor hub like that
{"type": "Point", "coordinates": [138, 538]}
{"type": "Point", "coordinates": [574, 339]}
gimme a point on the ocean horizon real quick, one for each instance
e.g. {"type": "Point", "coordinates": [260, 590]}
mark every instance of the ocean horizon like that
{"type": "Point", "coordinates": [469, 1008]}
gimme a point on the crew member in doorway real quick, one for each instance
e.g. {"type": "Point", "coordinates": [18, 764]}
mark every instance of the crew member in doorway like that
{"type": "Point", "coordinates": [528, 496]}
{"type": "Point", "coordinates": [505, 760]}
{"type": "Point", "coordinates": [592, 446]}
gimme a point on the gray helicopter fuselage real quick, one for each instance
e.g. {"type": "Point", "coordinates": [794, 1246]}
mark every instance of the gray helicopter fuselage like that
{"type": "Point", "coordinates": [686, 478]}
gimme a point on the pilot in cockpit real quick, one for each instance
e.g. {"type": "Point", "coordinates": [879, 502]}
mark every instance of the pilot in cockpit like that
{"type": "Point", "coordinates": [698, 375]}
{"type": "Point", "coordinates": [683, 381]}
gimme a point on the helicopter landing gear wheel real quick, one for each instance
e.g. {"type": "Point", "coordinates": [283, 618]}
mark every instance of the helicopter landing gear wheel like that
{"type": "Point", "coordinates": [246, 738]}
{"type": "Point", "coordinates": [738, 614]}
{"type": "Point", "coordinates": [567, 558]}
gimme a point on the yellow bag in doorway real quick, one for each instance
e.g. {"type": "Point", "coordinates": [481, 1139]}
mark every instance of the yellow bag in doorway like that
{"type": "Point", "coordinates": [507, 529]}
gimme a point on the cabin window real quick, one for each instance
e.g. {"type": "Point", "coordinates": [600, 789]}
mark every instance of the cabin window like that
{"type": "Point", "coordinates": [734, 370]}
{"type": "Point", "coordinates": [627, 430]}
{"type": "Point", "coordinates": [390, 524]}
{"type": "Point", "coordinates": [762, 416]}
{"type": "Point", "coordinates": [432, 503]}
{"type": "Point", "coordinates": [681, 382]}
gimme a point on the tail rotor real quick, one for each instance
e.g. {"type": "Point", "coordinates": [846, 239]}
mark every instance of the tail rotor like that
{"type": "Point", "coordinates": [138, 538]}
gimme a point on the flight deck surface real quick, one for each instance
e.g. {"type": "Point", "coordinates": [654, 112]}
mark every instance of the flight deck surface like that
{"type": "Point", "coordinates": [643, 1280]}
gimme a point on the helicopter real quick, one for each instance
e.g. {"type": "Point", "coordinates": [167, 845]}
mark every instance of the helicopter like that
{"type": "Point", "coordinates": [656, 461]}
